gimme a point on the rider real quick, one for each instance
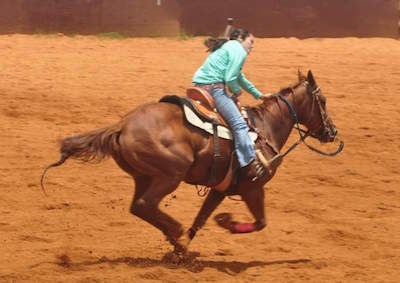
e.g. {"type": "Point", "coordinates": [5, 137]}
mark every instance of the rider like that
{"type": "Point", "coordinates": [223, 67]}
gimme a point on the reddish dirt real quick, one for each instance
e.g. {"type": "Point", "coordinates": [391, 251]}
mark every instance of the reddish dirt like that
{"type": "Point", "coordinates": [330, 219]}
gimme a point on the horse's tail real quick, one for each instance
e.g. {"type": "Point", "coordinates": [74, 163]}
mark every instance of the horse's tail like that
{"type": "Point", "coordinates": [93, 146]}
{"type": "Point", "coordinates": [90, 147]}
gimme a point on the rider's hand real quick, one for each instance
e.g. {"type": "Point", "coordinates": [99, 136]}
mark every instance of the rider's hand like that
{"type": "Point", "coordinates": [266, 95]}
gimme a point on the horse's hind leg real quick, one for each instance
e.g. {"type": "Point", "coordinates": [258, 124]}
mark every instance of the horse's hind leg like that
{"type": "Point", "coordinates": [142, 183]}
{"type": "Point", "coordinates": [146, 201]}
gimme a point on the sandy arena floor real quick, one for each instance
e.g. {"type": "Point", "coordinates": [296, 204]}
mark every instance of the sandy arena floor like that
{"type": "Point", "coordinates": [330, 219]}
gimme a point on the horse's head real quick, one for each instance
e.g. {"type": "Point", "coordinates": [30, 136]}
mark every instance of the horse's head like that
{"type": "Point", "coordinates": [314, 113]}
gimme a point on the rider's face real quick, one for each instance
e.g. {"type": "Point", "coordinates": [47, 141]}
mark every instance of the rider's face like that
{"type": "Point", "coordinates": [247, 43]}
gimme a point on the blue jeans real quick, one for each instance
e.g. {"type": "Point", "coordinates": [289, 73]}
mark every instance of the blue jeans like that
{"type": "Point", "coordinates": [227, 108]}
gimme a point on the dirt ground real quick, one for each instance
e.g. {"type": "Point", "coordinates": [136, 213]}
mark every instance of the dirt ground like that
{"type": "Point", "coordinates": [329, 219]}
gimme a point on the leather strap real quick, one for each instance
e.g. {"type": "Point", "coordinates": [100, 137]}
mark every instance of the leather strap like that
{"type": "Point", "coordinates": [216, 152]}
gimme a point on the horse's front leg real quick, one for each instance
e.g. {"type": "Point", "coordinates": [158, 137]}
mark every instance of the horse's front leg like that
{"type": "Point", "coordinates": [214, 198]}
{"type": "Point", "coordinates": [254, 199]}
{"type": "Point", "coordinates": [253, 195]}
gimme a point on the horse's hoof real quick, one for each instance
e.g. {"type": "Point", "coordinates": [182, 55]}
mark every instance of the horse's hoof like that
{"type": "Point", "coordinates": [224, 220]}
{"type": "Point", "coordinates": [179, 258]}
{"type": "Point", "coordinates": [182, 243]}
{"type": "Point", "coordinates": [172, 257]}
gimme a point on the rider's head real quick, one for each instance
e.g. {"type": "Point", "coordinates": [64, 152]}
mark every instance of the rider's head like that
{"type": "Point", "coordinates": [244, 37]}
{"type": "Point", "coordinates": [241, 35]}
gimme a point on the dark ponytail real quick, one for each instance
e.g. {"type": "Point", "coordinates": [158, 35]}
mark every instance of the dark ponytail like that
{"type": "Point", "coordinates": [215, 43]}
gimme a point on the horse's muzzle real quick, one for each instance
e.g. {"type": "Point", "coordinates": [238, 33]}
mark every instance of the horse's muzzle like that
{"type": "Point", "coordinates": [329, 134]}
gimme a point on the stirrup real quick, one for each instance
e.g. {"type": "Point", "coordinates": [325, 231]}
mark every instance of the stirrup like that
{"type": "Point", "coordinates": [267, 163]}
{"type": "Point", "coordinates": [260, 170]}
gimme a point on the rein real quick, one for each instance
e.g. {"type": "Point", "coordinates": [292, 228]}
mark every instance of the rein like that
{"type": "Point", "coordinates": [302, 136]}
{"type": "Point", "coordinates": [305, 134]}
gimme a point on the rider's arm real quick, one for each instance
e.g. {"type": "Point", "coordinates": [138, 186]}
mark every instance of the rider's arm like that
{"type": "Point", "coordinates": [231, 80]}
{"type": "Point", "coordinates": [236, 57]}
{"type": "Point", "coordinates": [248, 86]}
{"type": "Point", "coordinates": [234, 78]}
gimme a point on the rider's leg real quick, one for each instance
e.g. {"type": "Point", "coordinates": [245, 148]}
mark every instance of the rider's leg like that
{"type": "Point", "coordinates": [243, 145]}
{"type": "Point", "coordinates": [227, 108]}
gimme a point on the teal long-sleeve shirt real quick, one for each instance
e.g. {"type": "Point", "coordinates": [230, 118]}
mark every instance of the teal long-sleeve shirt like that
{"type": "Point", "coordinates": [225, 65]}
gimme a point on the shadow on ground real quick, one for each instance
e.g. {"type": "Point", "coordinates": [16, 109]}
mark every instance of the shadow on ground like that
{"type": "Point", "coordinates": [191, 264]}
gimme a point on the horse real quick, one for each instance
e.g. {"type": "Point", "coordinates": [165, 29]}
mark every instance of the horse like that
{"type": "Point", "coordinates": [156, 146]}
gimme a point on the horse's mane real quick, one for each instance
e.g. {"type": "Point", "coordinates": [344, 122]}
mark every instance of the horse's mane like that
{"type": "Point", "coordinates": [260, 108]}
{"type": "Point", "coordinates": [289, 89]}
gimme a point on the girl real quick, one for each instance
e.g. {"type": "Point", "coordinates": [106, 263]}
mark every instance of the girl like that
{"type": "Point", "coordinates": [223, 68]}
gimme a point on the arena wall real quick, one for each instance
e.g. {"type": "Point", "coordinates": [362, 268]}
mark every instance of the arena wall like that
{"type": "Point", "coordinates": [265, 18]}
{"type": "Point", "coordinates": [131, 17]}
{"type": "Point", "coordinates": [299, 18]}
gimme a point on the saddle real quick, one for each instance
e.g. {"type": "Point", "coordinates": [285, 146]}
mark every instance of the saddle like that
{"type": "Point", "coordinates": [201, 95]}
{"type": "Point", "coordinates": [205, 104]}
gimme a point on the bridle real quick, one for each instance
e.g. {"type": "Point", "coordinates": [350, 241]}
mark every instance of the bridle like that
{"type": "Point", "coordinates": [316, 95]}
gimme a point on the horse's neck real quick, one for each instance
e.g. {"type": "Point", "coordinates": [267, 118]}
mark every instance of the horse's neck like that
{"type": "Point", "coordinates": [277, 122]}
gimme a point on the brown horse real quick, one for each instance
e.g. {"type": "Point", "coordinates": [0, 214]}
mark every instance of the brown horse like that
{"type": "Point", "coordinates": [159, 149]}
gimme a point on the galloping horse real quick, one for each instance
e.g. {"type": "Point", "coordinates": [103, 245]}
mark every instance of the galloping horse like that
{"type": "Point", "coordinates": [159, 149]}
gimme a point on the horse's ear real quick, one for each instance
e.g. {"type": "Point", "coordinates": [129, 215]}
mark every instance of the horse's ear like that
{"type": "Point", "coordinates": [301, 76]}
{"type": "Point", "coordinates": [310, 78]}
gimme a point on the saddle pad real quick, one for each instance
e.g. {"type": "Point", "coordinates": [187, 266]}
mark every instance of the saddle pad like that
{"type": "Point", "coordinates": [223, 132]}
{"type": "Point", "coordinates": [200, 120]}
